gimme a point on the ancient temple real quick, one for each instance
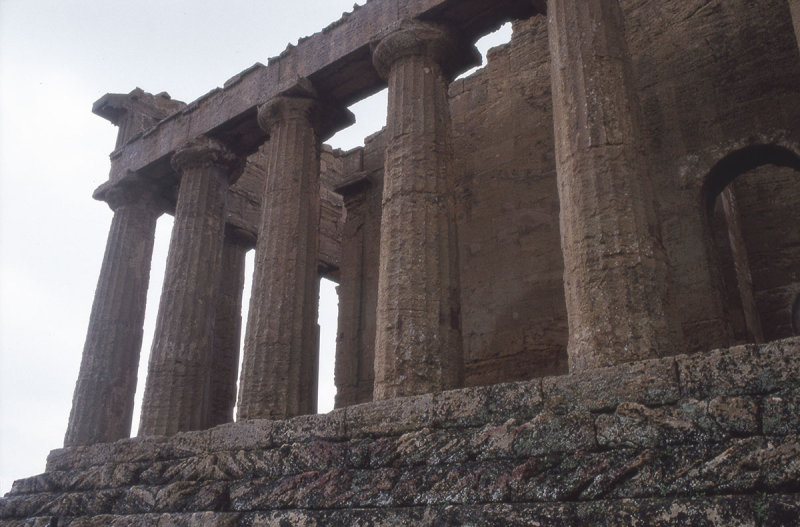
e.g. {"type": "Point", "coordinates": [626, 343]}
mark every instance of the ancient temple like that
{"type": "Point", "coordinates": [569, 282]}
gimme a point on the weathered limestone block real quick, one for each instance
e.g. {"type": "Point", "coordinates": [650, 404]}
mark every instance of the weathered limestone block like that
{"type": "Point", "coordinates": [199, 519]}
{"type": "Point", "coordinates": [747, 369]}
{"type": "Point", "coordinates": [781, 412]}
{"type": "Point", "coordinates": [418, 341]}
{"type": "Point", "coordinates": [635, 425]}
{"type": "Point", "coordinates": [175, 397]}
{"type": "Point", "coordinates": [615, 267]}
{"type": "Point", "coordinates": [279, 369]}
{"type": "Point", "coordinates": [487, 404]}
{"type": "Point", "coordinates": [102, 407]}
{"type": "Point", "coordinates": [707, 461]}
{"type": "Point", "coordinates": [649, 382]}
{"type": "Point", "coordinates": [734, 511]}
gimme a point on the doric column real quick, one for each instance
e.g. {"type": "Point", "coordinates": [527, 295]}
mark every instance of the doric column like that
{"type": "Point", "coordinates": [615, 267]}
{"type": "Point", "coordinates": [102, 407]}
{"type": "Point", "coordinates": [355, 342]}
{"type": "Point", "coordinates": [279, 368]}
{"type": "Point", "coordinates": [418, 341]}
{"type": "Point", "coordinates": [227, 328]}
{"type": "Point", "coordinates": [174, 397]}
{"type": "Point", "coordinates": [794, 6]}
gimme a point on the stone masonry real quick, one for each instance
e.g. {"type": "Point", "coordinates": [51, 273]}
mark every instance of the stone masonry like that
{"type": "Point", "coordinates": [706, 439]}
{"type": "Point", "coordinates": [569, 282]}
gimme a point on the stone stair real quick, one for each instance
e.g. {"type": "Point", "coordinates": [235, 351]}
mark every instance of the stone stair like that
{"type": "Point", "coordinates": [706, 439]}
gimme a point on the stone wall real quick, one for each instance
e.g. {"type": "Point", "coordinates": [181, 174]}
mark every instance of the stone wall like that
{"type": "Point", "coordinates": [512, 290]}
{"type": "Point", "coordinates": [727, 83]}
{"type": "Point", "coordinates": [708, 439]}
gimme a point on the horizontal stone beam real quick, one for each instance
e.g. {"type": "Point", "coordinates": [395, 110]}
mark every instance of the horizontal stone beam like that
{"type": "Point", "coordinates": [337, 60]}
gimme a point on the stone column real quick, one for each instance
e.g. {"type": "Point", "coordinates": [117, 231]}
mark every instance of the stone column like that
{"type": "Point", "coordinates": [102, 407]}
{"type": "Point", "coordinates": [418, 340]}
{"type": "Point", "coordinates": [279, 369]}
{"type": "Point", "coordinates": [227, 328]}
{"type": "Point", "coordinates": [355, 341]}
{"type": "Point", "coordinates": [794, 6]}
{"type": "Point", "coordinates": [615, 267]}
{"type": "Point", "coordinates": [178, 373]}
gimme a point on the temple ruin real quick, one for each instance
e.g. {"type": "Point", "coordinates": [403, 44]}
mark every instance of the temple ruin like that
{"type": "Point", "coordinates": [569, 283]}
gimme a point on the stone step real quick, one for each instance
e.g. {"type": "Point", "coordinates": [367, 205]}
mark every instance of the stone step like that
{"type": "Point", "coordinates": [740, 465]}
{"type": "Point", "coordinates": [768, 510]}
{"type": "Point", "coordinates": [725, 422]}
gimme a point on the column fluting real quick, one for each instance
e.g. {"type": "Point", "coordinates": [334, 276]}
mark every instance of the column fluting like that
{"type": "Point", "coordinates": [227, 329]}
{"type": "Point", "coordinates": [102, 405]}
{"type": "Point", "coordinates": [175, 397]}
{"type": "Point", "coordinates": [418, 339]}
{"type": "Point", "coordinates": [279, 369]}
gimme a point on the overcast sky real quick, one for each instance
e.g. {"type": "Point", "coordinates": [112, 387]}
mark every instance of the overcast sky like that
{"type": "Point", "coordinates": [56, 58]}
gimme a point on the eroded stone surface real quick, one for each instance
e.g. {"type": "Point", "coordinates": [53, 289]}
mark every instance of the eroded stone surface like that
{"type": "Point", "coordinates": [716, 460]}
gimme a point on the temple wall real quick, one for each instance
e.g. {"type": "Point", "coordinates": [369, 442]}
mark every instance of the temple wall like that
{"type": "Point", "coordinates": [514, 316]}
{"type": "Point", "coordinates": [699, 92]}
{"type": "Point", "coordinates": [729, 81]}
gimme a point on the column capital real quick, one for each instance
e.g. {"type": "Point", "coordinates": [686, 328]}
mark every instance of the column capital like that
{"type": "Point", "coordinates": [283, 108]}
{"type": "Point", "coordinates": [206, 152]}
{"type": "Point", "coordinates": [301, 102]}
{"type": "Point", "coordinates": [412, 38]}
{"type": "Point", "coordinates": [131, 190]}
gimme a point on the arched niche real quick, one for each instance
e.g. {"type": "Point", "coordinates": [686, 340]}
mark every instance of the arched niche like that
{"type": "Point", "coordinates": [751, 198]}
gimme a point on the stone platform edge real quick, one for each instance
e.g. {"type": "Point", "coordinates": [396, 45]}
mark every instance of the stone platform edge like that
{"type": "Point", "coordinates": [752, 369]}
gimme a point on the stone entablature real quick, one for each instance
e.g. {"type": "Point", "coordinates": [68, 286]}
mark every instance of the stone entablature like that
{"type": "Point", "coordinates": [344, 73]}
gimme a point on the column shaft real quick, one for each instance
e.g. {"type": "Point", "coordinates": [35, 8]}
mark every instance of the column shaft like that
{"type": "Point", "coordinates": [418, 341]}
{"type": "Point", "coordinates": [279, 371]}
{"type": "Point", "coordinates": [354, 371]}
{"type": "Point", "coordinates": [227, 332]}
{"type": "Point", "coordinates": [615, 267]}
{"type": "Point", "coordinates": [102, 406]}
{"type": "Point", "coordinates": [177, 377]}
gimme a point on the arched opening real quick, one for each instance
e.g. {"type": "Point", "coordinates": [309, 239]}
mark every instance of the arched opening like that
{"type": "Point", "coordinates": [751, 200]}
